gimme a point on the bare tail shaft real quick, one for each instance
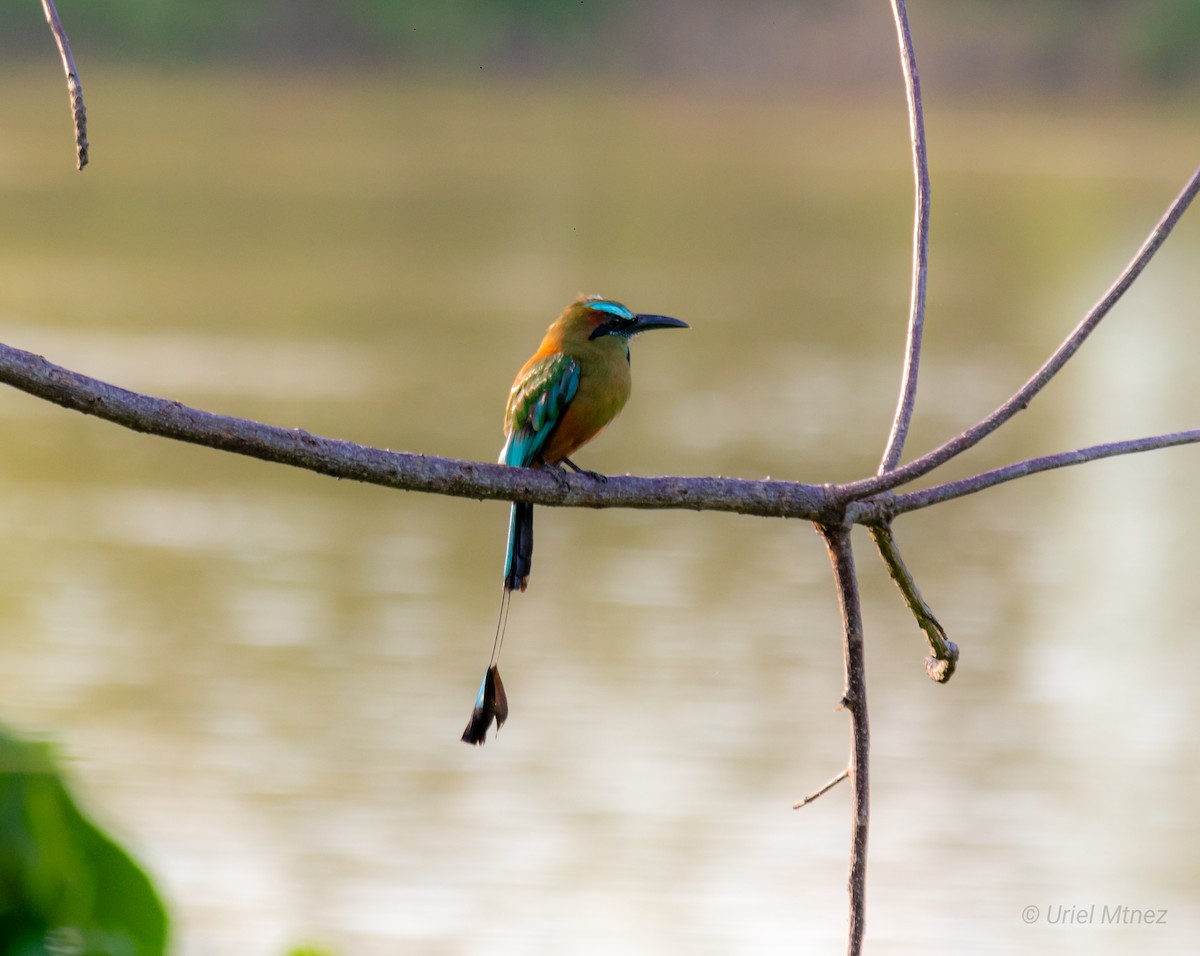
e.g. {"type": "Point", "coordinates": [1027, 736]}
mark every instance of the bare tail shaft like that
{"type": "Point", "coordinates": [491, 703]}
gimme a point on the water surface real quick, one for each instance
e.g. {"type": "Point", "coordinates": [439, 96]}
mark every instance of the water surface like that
{"type": "Point", "coordinates": [259, 676]}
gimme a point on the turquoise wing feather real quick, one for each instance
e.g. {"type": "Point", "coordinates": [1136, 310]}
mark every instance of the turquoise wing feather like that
{"type": "Point", "coordinates": [536, 405]}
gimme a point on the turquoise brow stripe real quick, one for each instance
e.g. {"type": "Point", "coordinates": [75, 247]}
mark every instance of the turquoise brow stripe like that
{"type": "Point", "coordinates": [612, 308]}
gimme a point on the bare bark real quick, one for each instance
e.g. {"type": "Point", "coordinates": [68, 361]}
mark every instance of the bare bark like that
{"type": "Point", "coordinates": [916, 313]}
{"type": "Point", "coordinates": [823, 789]}
{"type": "Point", "coordinates": [411, 472]}
{"type": "Point", "coordinates": [1031, 466]}
{"type": "Point", "coordinates": [74, 89]}
{"type": "Point", "coordinates": [943, 657]}
{"type": "Point", "coordinates": [854, 700]}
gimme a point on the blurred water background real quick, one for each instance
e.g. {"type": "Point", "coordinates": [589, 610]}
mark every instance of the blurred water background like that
{"type": "Point", "coordinates": [258, 676]}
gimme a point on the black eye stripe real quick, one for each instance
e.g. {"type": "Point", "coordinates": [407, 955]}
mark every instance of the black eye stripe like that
{"type": "Point", "coordinates": [614, 326]}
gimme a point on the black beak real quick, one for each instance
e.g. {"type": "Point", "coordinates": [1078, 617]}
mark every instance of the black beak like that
{"type": "Point", "coordinates": [644, 323]}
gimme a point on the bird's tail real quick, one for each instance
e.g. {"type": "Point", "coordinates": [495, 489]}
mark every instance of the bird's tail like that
{"type": "Point", "coordinates": [520, 548]}
{"type": "Point", "coordinates": [491, 703]}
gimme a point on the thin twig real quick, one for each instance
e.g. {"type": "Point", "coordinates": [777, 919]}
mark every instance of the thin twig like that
{"type": "Point", "coordinates": [822, 790]}
{"type": "Point", "coordinates": [74, 89]}
{"type": "Point", "coordinates": [854, 699]}
{"type": "Point", "coordinates": [916, 314]}
{"type": "Point", "coordinates": [898, 504]}
{"type": "Point", "coordinates": [1021, 399]}
{"type": "Point", "coordinates": [343, 459]}
{"type": "Point", "coordinates": [943, 660]}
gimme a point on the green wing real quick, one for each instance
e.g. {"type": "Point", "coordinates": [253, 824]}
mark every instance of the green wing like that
{"type": "Point", "coordinates": [536, 405]}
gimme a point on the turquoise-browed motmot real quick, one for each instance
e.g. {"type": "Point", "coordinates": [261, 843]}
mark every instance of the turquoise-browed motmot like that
{"type": "Point", "coordinates": [574, 384]}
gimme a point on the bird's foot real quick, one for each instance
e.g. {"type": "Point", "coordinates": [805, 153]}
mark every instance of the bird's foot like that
{"type": "Point", "coordinates": [594, 475]}
{"type": "Point", "coordinates": [556, 472]}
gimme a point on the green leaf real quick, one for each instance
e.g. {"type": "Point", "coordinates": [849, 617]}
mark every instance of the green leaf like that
{"type": "Point", "coordinates": [65, 885]}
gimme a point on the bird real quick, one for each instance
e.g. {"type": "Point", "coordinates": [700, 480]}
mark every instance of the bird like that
{"type": "Point", "coordinates": [570, 389]}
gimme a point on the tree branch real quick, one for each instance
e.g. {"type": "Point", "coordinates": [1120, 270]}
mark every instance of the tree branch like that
{"type": "Point", "coordinates": [411, 472]}
{"type": "Point", "coordinates": [1021, 399]}
{"type": "Point", "coordinates": [823, 789]}
{"type": "Point", "coordinates": [916, 315]}
{"type": "Point", "coordinates": [898, 504]}
{"type": "Point", "coordinates": [482, 480]}
{"type": "Point", "coordinates": [854, 699]}
{"type": "Point", "coordinates": [74, 89]}
{"type": "Point", "coordinates": [943, 659]}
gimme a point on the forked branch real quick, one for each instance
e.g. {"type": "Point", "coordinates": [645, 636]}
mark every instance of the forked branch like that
{"type": "Point", "coordinates": [1042, 377]}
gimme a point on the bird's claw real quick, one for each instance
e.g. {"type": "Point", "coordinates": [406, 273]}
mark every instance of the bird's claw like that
{"type": "Point", "coordinates": [594, 475]}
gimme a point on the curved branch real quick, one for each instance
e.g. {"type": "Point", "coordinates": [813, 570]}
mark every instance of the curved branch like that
{"type": "Point", "coordinates": [344, 459]}
{"type": "Point", "coordinates": [1021, 399]}
{"type": "Point", "coordinates": [898, 504]}
{"type": "Point", "coordinates": [916, 314]}
{"type": "Point", "coordinates": [943, 658]}
{"type": "Point", "coordinates": [74, 89]}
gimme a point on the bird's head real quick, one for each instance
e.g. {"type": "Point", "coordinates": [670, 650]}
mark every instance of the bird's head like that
{"type": "Point", "coordinates": [599, 317]}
